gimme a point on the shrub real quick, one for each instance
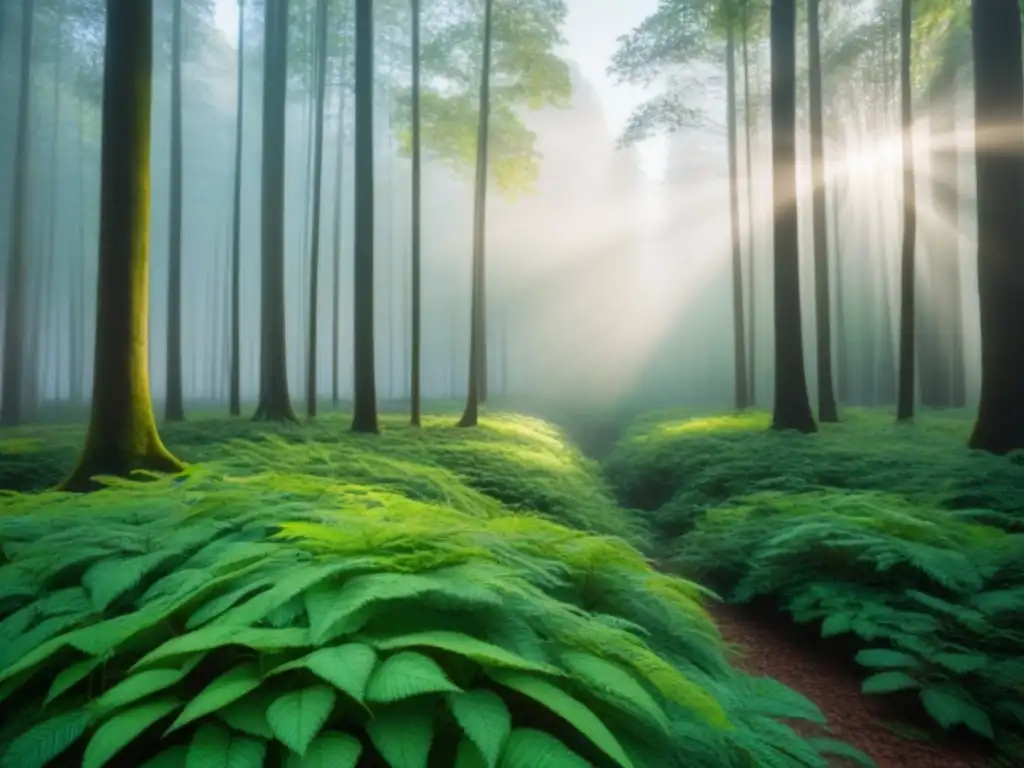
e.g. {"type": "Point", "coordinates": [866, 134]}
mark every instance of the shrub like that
{"type": "Point", "coordinates": [279, 620]}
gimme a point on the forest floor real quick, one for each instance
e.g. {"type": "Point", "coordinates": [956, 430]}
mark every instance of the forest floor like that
{"type": "Point", "coordinates": [893, 539]}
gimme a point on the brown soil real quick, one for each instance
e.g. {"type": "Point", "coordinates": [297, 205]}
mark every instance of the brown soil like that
{"type": "Point", "coordinates": [775, 649]}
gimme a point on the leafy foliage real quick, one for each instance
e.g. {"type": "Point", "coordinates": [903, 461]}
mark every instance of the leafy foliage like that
{"type": "Point", "coordinates": [310, 620]}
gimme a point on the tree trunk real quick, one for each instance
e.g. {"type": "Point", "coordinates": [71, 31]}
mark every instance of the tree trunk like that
{"type": "Point", "coordinates": [174, 405]}
{"type": "Point", "coordinates": [842, 345]}
{"type": "Point", "coordinates": [122, 435]}
{"type": "Point", "coordinates": [906, 395]}
{"type": "Point", "coordinates": [822, 297]}
{"type": "Point", "coordinates": [999, 146]}
{"type": "Point", "coordinates": [792, 407]}
{"type": "Point", "coordinates": [364, 411]}
{"type": "Point", "coordinates": [76, 292]}
{"type": "Point", "coordinates": [318, 160]}
{"type": "Point", "coordinates": [414, 384]}
{"type": "Point", "coordinates": [11, 388]}
{"type": "Point", "coordinates": [477, 389]}
{"type": "Point", "coordinates": [339, 180]}
{"type": "Point", "coordinates": [739, 328]}
{"type": "Point", "coordinates": [751, 282]}
{"type": "Point", "coordinates": [235, 375]}
{"type": "Point", "coordinates": [274, 404]}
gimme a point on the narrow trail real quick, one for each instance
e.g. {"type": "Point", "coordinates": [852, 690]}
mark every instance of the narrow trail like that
{"type": "Point", "coordinates": [777, 651]}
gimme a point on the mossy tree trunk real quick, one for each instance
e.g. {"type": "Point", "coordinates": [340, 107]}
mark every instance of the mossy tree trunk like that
{"type": "Point", "coordinates": [274, 403]}
{"type": "Point", "coordinates": [12, 382]}
{"type": "Point", "coordinates": [122, 435]}
{"type": "Point", "coordinates": [822, 298]}
{"type": "Point", "coordinates": [477, 390]}
{"type": "Point", "coordinates": [739, 327]}
{"type": "Point", "coordinates": [174, 403]}
{"type": "Point", "coordinates": [414, 383]}
{"type": "Point", "coordinates": [999, 147]}
{"type": "Point", "coordinates": [906, 392]}
{"type": "Point", "coordinates": [364, 415]}
{"type": "Point", "coordinates": [792, 407]}
{"type": "Point", "coordinates": [235, 364]}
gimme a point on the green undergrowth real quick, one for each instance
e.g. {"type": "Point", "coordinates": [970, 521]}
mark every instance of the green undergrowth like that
{"type": "Point", "coordinates": [269, 619]}
{"type": "Point", "coordinates": [510, 461]}
{"type": "Point", "coordinates": [896, 537]}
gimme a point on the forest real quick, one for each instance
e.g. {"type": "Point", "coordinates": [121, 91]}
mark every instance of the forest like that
{"type": "Point", "coordinates": [511, 383]}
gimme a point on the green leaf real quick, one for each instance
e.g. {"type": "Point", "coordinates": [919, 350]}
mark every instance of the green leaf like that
{"type": "Point", "coordinates": [296, 581]}
{"type": "Point", "coordinates": [219, 635]}
{"type": "Point", "coordinates": [249, 714]}
{"type": "Point", "coordinates": [948, 708]}
{"type": "Point", "coordinates": [464, 645]}
{"type": "Point", "coordinates": [120, 730]}
{"type": "Point", "coordinates": [962, 663]}
{"type": "Point", "coordinates": [468, 755]}
{"type": "Point", "coordinates": [529, 748]}
{"type": "Point", "coordinates": [888, 682]}
{"type": "Point", "coordinates": [297, 717]}
{"type": "Point", "coordinates": [615, 685]}
{"type": "Point", "coordinates": [137, 687]}
{"type": "Point", "coordinates": [214, 746]}
{"type": "Point", "coordinates": [224, 690]}
{"type": "Point", "coordinates": [883, 657]}
{"type": "Point", "coordinates": [47, 740]}
{"type": "Point", "coordinates": [842, 750]}
{"type": "Point", "coordinates": [566, 707]}
{"type": "Point", "coordinates": [175, 757]}
{"type": "Point", "coordinates": [217, 605]}
{"type": "Point", "coordinates": [346, 667]}
{"type": "Point", "coordinates": [69, 677]}
{"type": "Point", "coordinates": [108, 579]}
{"type": "Point", "coordinates": [328, 750]}
{"type": "Point", "coordinates": [835, 624]}
{"type": "Point", "coordinates": [485, 719]}
{"type": "Point", "coordinates": [407, 674]}
{"type": "Point", "coordinates": [403, 734]}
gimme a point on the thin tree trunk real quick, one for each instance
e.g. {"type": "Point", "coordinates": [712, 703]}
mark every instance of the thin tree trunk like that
{"type": "Point", "coordinates": [748, 118]}
{"type": "Point", "coordinates": [339, 179]}
{"type": "Point", "coordinates": [822, 298]}
{"type": "Point", "coordinates": [477, 331]}
{"type": "Point", "coordinates": [842, 344]}
{"type": "Point", "coordinates": [739, 327]}
{"type": "Point", "coordinates": [75, 287]}
{"type": "Point", "coordinates": [314, 251]}
{"type": "Point", "coordinates": [364, 412]}
{"type": "Point", "coordinates": [906, 395]}
{"type": "Point", "coordinates": [12, 381]}
{"type": "Point", "coordinates": [274, 404]}
{"type": "Point", "coordinates": [174, 406]}
{"type": "Point", "coordinates": [235, 375]}
{"type": "Point", "coordinates": [792, 407]}
{"type": "Point", "coordinates": [414, 384]}
{"type": "Point", "coordinates": [999, 147]}
{"type": "Point", "coordinates": [122, 435]}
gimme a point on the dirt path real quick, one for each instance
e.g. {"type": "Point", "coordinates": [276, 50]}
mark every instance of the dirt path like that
{"type": "Point", "coordinates": [859, 720]}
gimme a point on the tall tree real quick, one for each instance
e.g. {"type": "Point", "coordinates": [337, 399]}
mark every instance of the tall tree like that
{"type": "Point", "coordinates": [999, 148]}
{"type": "Point", "coordinates": [235, 364]}
{"type": "Point", "coordinates": [414, 384]}
{"type": "Point", "coordinates": [740, 382]}
{"type": "Point", "coordinates": [318, 162]}
{"type": "Point", "coordinates": [274, 402]}
{"type": "Point", "coordinates": [748, 119]}
{"type": "Point", "coordinates": [364, 411]}
{"type": "Point", "coordinates": [11, 388]}
{"type": "Point", "coordinates": [906, 393]}
{"type": "Point", "coordinates": [122, 435]}
{"type": "Point", "coordinates": [339, 176]}
{"type": "Point", "coordinates": [792, 407]}
{"type": "Point", "coordinates": [477, 387]}
{"type": "Point", "coordinates": [822, 289]}
{"type": "Point", "coordinates": [174, 405]}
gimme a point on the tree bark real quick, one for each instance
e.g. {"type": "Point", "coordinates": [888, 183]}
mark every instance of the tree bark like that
{"type": "Point", "coordinates": [792, 407]}
{"type": "Point", "coordinates": [364, 415]}
{"type": "Point", "coordinates": [122, 435]}
{"type": "Point", "coordinates": [174, 405]}
{"type": "Point", "coordinates": [339, 180]}
{"type": "Point", "coordinates": [274, 404]}
{"type": "Point", "coordinates": [477, 389]}
{"type": "Point", "coordinates": [999, 147]}
{"type": "Point", "coordinates": [751, 282]}
{"type": "Point", "coordinates": [907, 393]}
{"type": "Point", "coordinates": [414, 383]}
{"type": "Point", "coordinates": [739, 328]}
{"type": "Point", "coordinates": [235, 375]}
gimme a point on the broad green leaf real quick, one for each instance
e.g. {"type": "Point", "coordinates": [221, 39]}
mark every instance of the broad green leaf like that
{"type": "Point", "coordinates": [217, 605]}
{"type": "Point", "coordinates": [175, 757]}
{"type": "Point", "coordinates": [407, 674]}
{"type": "Point", "coordinates": [887, 682]}
{"type": "Point", "coordinates": [214, 746]}
{"type": "Point", "coordinates": [296, 581]}
{"type": "Point", "coordinates": [962, 663]}
{"type": "Point", "coordinates": [225, 689]}
{"type": "Point", "coordinates": [249, 714]}
{"type": "Point", "coordinates": [47, 740]}
{"type": "Point", "coordinates": [468, 755]}
{"type": "Point", "coordinates": [479, 651]}
{"type": "Point", "coordinates": [69, 677]}
{"type": "Point", "coordinates": [485, 720]}
{"type": "Point", "coordinates": [529, 748]}
{"type": "Point", "coordinates": [297, 717]}
{"type": "Point", "coordinates": [121, 729]}
{"type": "Point", "coordinates": [883, 657]}
{"type": "Point", "coordinates": [403, 734]}
{"type": "Point", "coordinates": [615, 685]}
{"type": "Point", "coordinates": [565, 706]}
{"type": "Point", "coordinates": [108, 579]}
{"type": "Point", "coordinates": [948, 708]}
{"type": "Point", "coordinates": [136, 687]}
{"type": "Point", "coordinates": [219, 635]}
{"type": "Point", "coordinates": [346, 667]}
{"type": "Point", "coordinates": [328, 750]}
